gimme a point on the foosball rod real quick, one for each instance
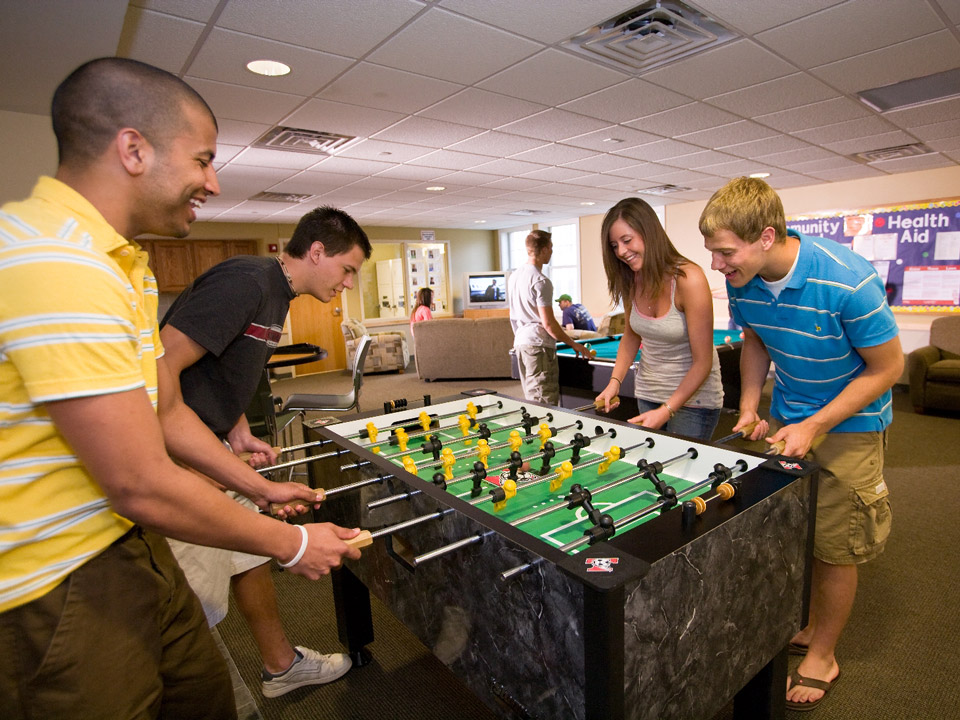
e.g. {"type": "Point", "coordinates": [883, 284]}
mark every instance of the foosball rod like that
{"type": "Point", "coordinates": [275, 508]}
{"type": "Point", "coordinates": [300, 461]}
{"type": "Point", "coordinates": [639, 514]}
{"type": "Point", "coordinates": [365, 433]}
{"type": "Point", "coordinates": [580, 466]}
{"type": "Point", "coordinates": [292, 448]}
{"type": "Point", "coordinates": [469, 436]}
{"type": "Point", "coordinates": [373, 505]}
{"type": "Point", "coordinates": [526, 439]}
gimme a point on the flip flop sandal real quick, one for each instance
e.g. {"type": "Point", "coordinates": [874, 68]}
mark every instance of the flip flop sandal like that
{"type": "Point", "coordinates": [797, 649]}
{"type": "Point", "coordinates": [798, 679]}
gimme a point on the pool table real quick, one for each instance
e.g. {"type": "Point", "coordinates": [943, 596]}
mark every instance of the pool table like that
{"type": "Point", "coordinates": [582, 380]}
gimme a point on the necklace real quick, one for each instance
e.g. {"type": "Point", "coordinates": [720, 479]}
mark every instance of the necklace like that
{"type": "Point", "coordinates": [286, 274]}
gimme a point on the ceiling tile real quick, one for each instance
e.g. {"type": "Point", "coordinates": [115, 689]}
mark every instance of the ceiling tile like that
{"type": "Point", "coordinates": [553, 124]}
{"type": "Point", "coordinates": [699, 159]}
{"type": "Point", "coordinates": [449, 159]}
{"type": "Point", "coordinates": [239, 182]}
{"type": "Point", "coordinates": [738, 132]}
{"type": "Point", "coordinates": [346, 27]}
{"type": "Point", "coordinates": [553, 154]}
{"type": "Point", "coordinates": [541, 19]}
{"type": "Point", "coordinates": [552, 77]}
{"type": "Point", "coordinates": [481, 108]}
{"type": "Point", "coordinates": [937, 131]}
{"type": "Point", "coordinates": [610, 139]}
{"type": "Point", "coordinates": [914, 58]}
{"type": "Point", "coordinates": [161, 40]}
{"type": "Point", "coordinates": [659, 150]}
{"type": "Point", "coordinates": [233, 102]}
{"type": "Point", "coordinates": [856, 172]}
{"type": "Point", "coordinates": [193, 9]}
{"type": "Point", "coordinates": [386, 89]}
{"type": "Point", "coordinates": [926, 114]}
{"type": "Point", "coordinates": [685, 119]}
{"type": "Point", "coordinates": [238, 132]}
{"type": "Point", "coordinates": [497, 144]}
{"type": "Point", "coordinates": [779, 143]}
{"type": "Point", "coordinates": [450, 47]}
{"type": "Point", "coordinates": [849, 29]}
{"type": "Point", "coordinates": [780, 94]}
{"type": "Point", "coordinates": [506, 167]}
{"type": "Point", "coordinates": [262, 157]}
{"type": "Point", "coordinates": [814, 115]}
{"type": "Point", "coordinates": [708, 74]}
{"type": "Point", "coordinates": [340, 118]}
{"type": "Point", "coordinates": [870, 142]}
{"type": "Point", "coordinates": [848, 130]}
{"type": "Point", "coordinates": [351, 166]}
{"type": "Point", "coordinates": [626, 101]}
{"type": "Point", "coordinates": [601, 163]}
{"type": "Point", "coordinates": [755, 15]}
{"type": "Point", "coordinates": [424, 131]}
{"type": "Point", "coordinates": [788, 158]}
{"type": "Point", "coordinates": [411, 172]}
{"type": "Point", "coordinates": [384, 151]}
{"type": "Point", "coordinates": [225, 54]}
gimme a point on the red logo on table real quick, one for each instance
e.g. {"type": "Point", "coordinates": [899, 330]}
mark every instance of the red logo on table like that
{"type": "Point", "coordinates": [601, 564]}
{"type": "Point", "coordinates": [790, 465]}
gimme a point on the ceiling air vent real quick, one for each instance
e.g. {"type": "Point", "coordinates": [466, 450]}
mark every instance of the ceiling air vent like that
{"type": "Point", "coordinates": [650, 35]}
{"type": "Point", "coordinates": [528, 212]}
{"type": "Point", "coordinates": [664, 190]}
{"type": "Point", "coordinates": [281, 197]}
{"type": "Point", "coordinates": [891, 153]}
{"type": "Point", "coordinates": [305, 141]}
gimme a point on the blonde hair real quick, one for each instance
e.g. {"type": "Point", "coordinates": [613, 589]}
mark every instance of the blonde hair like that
{"type": "Point", "coordinates": [744, 206]}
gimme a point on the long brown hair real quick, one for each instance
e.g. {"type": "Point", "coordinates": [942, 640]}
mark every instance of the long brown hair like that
{"type": "Point", "coordinates": [660, 258]}
{"type": "Point", "coordinates": [424, 297]}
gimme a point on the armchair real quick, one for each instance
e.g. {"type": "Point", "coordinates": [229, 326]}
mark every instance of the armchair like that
{"type": "Point", "coordinates": [934, 370]}
{"type": "Point", "coordinates": [388, 351]}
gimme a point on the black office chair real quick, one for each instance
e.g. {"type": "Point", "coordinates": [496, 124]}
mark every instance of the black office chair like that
{"type": "Point", "coordinates": [299, 403]}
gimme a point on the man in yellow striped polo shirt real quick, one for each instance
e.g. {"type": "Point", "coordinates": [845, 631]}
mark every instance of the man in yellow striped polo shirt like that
{"type": "Point", "coordinates": [96, 618]}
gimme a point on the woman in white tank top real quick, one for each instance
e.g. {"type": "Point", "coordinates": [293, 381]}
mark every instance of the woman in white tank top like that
{"type": "Point", "coordinates": [669, 306]}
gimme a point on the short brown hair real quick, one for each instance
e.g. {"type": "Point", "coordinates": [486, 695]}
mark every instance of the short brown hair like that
{"type": "Point", "coordinates": [744, 206]}
{"type": "Point", "coordinates": [537, 241]}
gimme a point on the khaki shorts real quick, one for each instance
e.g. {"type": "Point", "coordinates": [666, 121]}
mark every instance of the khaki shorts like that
{"type": "Point", "coordinates": [209, 569]}
{"type": "Point", "coordinates": [539, 373]}
{"type": "Point", "coordinates": [853, 508]}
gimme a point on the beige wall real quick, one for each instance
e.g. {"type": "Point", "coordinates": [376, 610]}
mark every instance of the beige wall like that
{"type": "Point", "coordinates": [28, 149]}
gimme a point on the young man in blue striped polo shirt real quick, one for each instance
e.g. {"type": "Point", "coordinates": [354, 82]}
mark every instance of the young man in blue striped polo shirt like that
{"type": "Point", "coordinates": [819, 312]}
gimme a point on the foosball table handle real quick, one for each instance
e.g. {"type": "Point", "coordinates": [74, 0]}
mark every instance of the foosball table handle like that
{"type": "Point", "coordinates": [361, 540]}
{"type": "Point", "coordinates": [277, 508]}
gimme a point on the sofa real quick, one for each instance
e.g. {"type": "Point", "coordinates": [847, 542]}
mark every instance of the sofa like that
{"type": "Point", "coordinates": [934, 370]}
{"type": "Point", "coordinates": [610, 324]}
{"type": "Point", "coordinates": [454, 348]}
{"type": "Point", "coordinates": [388, 351]}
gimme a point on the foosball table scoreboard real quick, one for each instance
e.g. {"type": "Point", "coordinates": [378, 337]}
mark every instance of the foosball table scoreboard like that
{"type": "Point", "coordinates": [565, 565]}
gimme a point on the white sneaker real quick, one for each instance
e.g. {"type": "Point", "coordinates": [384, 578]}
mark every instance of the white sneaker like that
{"type": "Point", "coordinates": [310, 668]}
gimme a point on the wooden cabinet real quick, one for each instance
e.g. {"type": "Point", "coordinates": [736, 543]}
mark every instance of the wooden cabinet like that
{"type": "Point", "coordinates": [176, 263]}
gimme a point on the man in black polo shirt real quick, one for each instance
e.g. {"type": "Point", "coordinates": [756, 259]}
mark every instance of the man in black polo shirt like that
{"type": "Point", "coordinates": [217, 337]}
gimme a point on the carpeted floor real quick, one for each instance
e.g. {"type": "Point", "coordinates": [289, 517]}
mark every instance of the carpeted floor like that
{"type": "Point", "coordinates": [898, 652]}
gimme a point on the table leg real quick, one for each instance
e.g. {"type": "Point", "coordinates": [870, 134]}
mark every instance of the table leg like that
{"type": "Point", "coordinates": [764, 697]}
{"type": "Point", "coordinates": [351, 601]}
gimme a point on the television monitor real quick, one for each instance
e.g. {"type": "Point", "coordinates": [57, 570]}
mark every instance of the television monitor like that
{"type": "Point", "coordinates": [485, 289]}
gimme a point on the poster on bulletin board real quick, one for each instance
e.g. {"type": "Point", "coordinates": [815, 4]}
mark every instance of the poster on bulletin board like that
{"type": "Point", "coordinates": [914, 248]}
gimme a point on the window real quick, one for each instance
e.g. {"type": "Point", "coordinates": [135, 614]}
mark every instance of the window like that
{"type": "Point", "coordinates": [564, 268]}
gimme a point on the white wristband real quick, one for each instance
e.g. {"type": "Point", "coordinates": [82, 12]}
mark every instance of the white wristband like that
{"type": "Point", "coordinates": [303, 548]}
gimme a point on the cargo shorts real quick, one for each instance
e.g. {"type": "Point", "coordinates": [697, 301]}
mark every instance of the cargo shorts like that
{"type": "Point", "coordinates": [853, 505]}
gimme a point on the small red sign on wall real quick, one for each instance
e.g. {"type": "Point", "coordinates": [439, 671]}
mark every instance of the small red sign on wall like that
{"type": "Point", "coordinates": [272, 247]}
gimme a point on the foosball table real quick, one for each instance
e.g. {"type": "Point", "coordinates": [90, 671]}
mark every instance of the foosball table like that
{"type": "Point", "coordinates": [565, 565]}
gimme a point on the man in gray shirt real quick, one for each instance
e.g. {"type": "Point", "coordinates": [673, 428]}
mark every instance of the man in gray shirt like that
{"type": "Point", "coordinates": [535, 327]}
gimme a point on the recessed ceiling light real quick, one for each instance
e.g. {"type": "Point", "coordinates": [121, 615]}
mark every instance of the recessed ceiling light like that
{"type": "Point", "coordinates": [436, 188]}
{"type": "Point", "coordinates": [588, 203]}
{"type": "Point", "coordinates": [612, 140]}
{"type": "Point", "coordinates": [479, 221]}
{"type": "Point", "coordinates": [270, 68]}
{"type": "Point", "coordinates": [760, 175]}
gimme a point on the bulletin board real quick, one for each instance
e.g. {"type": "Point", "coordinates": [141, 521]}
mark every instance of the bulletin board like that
{"type": "Point", "coordinates": [915, 249]}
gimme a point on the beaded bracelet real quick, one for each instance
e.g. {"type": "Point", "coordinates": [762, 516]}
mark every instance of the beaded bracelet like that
{"type": "Point", "coordinates": [304, 537]}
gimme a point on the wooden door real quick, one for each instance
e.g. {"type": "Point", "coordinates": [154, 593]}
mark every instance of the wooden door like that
{"type": "Point", "coordinates": [315, 322]}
